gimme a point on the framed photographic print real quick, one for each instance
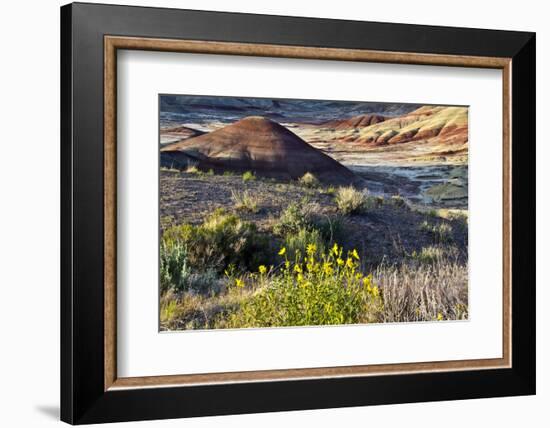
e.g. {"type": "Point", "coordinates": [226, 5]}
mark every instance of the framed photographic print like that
{"type": "Point", "coordinates": [265, 213]}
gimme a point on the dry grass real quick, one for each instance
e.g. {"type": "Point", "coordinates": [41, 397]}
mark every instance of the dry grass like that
{"type": "Point", "coordinates": [245, 201]}
{"type": "Point", "coordinates": [410, 292]}
{"type": "Point", "coordinates": [349, 200]}
{"type": "Point", "coordinates": [441, 232]}
{"type": "Point", "coordinates": [309, 180]}
{"type": "Point", "coordinates": [424, 292]}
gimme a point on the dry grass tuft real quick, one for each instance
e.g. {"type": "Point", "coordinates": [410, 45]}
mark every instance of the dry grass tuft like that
{"type": "Point", "coordinates": [349, 200]}
{"type": "Point", "coordinates": [245, 201]}
{"type": "Point", "coordinates": [309, 180]}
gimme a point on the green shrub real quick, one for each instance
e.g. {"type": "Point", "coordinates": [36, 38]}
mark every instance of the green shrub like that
{"type": "Point", "coordinates": [249, 176]}
{"type": "Point", "coordinates": [245, 201]}
{"type": "Point", "coordinates": [221, 240]}
{"type": "Point", "coordinates": [207, 282]}
{"type": "Point", "coordinates": [168, 310]}
{"type": "Point", "coordinates": [296, 243]}
{"type": "Point", "coordinates": [320, 288]}
{"type": "Point", "coordinates": [309, 180]}
{"type": "Point", "coordinates": [210, 172]}
{"type": "Point", "coordinates": [294, 218]}
{"type": "Point", "coordinates": [332, 228]}
{"type": "Point", "coordinates": [349, 200]}
{"type": "Point", "coordinates": [174, 267]}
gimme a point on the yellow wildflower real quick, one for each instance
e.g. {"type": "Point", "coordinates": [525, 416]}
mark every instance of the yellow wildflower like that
{"type": "Point", "coordinates": [439, 316]}
{"type": "Point", "coordinates": [282, 251]}
{"type": "Point", "coordinates": [339, 261]}
{"type": "Point", "coordinates": [335, 249]}
{"type": "Point", "coordinates": [239, 282]}
{"type": "Point", "coordinates": [310, 249]}
{"type": "Point", "coordinates": [375, 291]}
{"type": "Point", "coordinates": [327, 268]}
{"type": "Point", "coordinates": [262, 269]}
{"type": "Point", "coordinates": [297, 268]}
{"type": "Point", "coordinates": [358, 276]}
{"type": "Point", "coordinates": [300, 277]}
{"type": "Point", "coordinates": [349, 263]}
{"type": "Point", "coordinates": [354, 254]}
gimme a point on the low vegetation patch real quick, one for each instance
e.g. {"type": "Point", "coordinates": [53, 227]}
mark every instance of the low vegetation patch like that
{"type": "Point", "coordinates": [245, 201]}
{"type": "Point", "coordinates": [298, 265]}
{"type": "Point", "coordinates": [349, 200]}
{"type": "Point", "coordinates": [221, 240]}
{"type": "Point", "coordinates": [309, 180]}
{"type": "Point", "coordinates": [319, 288]}
{"type": "Point", "coordinates": [424, 292]}
{"type": "Point", "coordinates": [441, 232]}
{"type": "Point", "coordinates": [294, 218]}
{"type": "Point", "coordinates": [193, 170]}
{"type": "Point", "coordinates": [249, 176]}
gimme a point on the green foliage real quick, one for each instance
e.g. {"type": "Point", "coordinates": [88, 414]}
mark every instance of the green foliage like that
{"type": "Point", "coordinates": [193, 170]}
{"type": "Point", "coordinates": [332, 228]}
{"type": "Point", "coordinates": [441, 232]}
{"type": "Point", "coordinates": [436, 254]}
{"type": "Point", "coordinates": [296, 243]}
{"type": "Point", "coordinates": [210, 172]}
{"type": "Point", "coordinates": [207, 282]}
{"type": "Point", "coordinates": [245, 201]}
{"type": "Point", "coordinates": [429, 254]}
{"type": "Point", "coordinates": [294, 218]}
{"type": "Point", "coordinates": [331, 190]}
{"type": "Point", "coordinates": [309, 180]}
{"type": "Point", "coordinates": [433, 213]}
{"type": "Point", "coordinates": [221, 240]}
{"type": "Point", "coordinates": [320, 288]}
{"type": "Point", "coordinates": [302, 224]}
{"type": "Point", "coordinates": [349, 200]}
{"type": "Point", "coordinates": [168, 310]}
{"type": "Point", "coordinates": [174, 267]}
{"type": "Point", "coordinates": [249, 176]}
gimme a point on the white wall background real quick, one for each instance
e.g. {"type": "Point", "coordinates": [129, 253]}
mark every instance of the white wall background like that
{"type": "Point", "coordinates": [29, 215]}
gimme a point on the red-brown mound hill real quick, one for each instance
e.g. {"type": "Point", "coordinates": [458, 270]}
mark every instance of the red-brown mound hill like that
{"type": "Point", "coordinates": [259, 145]}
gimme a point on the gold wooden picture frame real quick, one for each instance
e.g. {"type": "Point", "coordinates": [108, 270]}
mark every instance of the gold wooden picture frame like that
{"type": "Point", "coordinates": [114, 43]}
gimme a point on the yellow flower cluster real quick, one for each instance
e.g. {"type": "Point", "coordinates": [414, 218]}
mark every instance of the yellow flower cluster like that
{"type": "Point", "coordinates": [332, 264]}
{"type": "Point", "coordinates": [314, 287]}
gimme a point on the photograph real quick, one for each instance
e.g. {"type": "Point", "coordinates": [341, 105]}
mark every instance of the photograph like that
{"type": "Point", "coordinates": [291, 212]}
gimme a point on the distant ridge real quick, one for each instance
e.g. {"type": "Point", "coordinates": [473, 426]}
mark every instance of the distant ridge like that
{"type": "Point", "coordinates": [177, 133]}
{"type": "Point", "coordinates": [441, 125]}
{"type": "Point", "coordinates": [354, 122]}
{"type": "Point", "coordinates": [260, 145]}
